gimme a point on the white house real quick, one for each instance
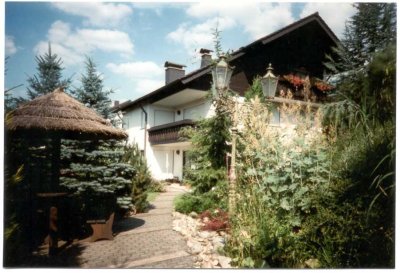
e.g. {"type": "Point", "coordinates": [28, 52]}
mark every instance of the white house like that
{"type": "Point", "coordinates": [154, 120]}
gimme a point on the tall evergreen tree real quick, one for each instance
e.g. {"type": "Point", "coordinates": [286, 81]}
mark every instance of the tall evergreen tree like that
{"type": "Point", "coordinates": [369, 30]}
{"type": "Point", "coordinates": [94, 170]}
{"type": "Point", "coordinates": [362, 123]}
{"type": "Point", "coordinates": [92, 92]}
{"type": "Point", "coordinates": [49, 75]}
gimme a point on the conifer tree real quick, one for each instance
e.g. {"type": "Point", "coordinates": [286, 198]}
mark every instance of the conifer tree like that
{"type": "Point", "coordinates": [93, 169]}
{"type": "Point", "coordinates": [141, 181]}
{"type": "Point", "coordinates": [92, 92]}
{"type": "Point", "coordinates": [370, 30]}
{"type": "Point", "coordinates": [96, 174]}
{"type": "Point", "coordinates": [49, 75]}
{"type": "Point", "coordinates": [362, 123]}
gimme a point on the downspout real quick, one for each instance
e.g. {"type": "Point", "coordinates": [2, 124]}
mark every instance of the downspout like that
{"type": "Point", "coordinates": [145, 130]}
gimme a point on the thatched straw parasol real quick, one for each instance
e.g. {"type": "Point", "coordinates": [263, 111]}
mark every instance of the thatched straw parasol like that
{"type": "Point", "coordinates": [58, 113]}
{"type": "Point", "coordinates": [57, 116]}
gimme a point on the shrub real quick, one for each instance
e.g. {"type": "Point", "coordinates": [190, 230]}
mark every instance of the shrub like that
{"type": "Point", "coordinates": [217, 221]}
{"type": "Point", "coordinates": [211, 200]}
{"type": "Point", "coordinates": [279, 170]}
{"type": "Point", "coordinates": [142, 180]}
{"type": "Point", "coordinates": [156, 186]}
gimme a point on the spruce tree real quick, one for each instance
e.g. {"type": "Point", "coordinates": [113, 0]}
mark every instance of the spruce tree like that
{"type": "Point", "coordinates": [96, 175]}
{"type": "Point", "coordinates": [370, 30]}
{"type": "Point", "coordinates": [92, 92]}
{"type": "Point", "coordinates": [93, 170]}
{"type": "Point", "coordinates": [49, 75]}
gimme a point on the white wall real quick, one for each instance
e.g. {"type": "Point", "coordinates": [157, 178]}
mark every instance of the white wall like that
{"type": "Point", "coordinates": [163, 116]}
{"type": "Point", "coordinates": [163, 161]}
{"type": "Point", "coordinates": [195, 110]}
{"type": "Point", "coordinates": [132, 124]}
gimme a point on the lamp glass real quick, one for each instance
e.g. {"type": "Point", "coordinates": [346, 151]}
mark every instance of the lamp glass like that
{"type": "Point", "coordinates": [221, 75]}
{"type": "Point", "coordinates": [269, 83]}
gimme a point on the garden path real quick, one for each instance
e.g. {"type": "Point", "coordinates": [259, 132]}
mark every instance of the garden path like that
{"type": "Point", "coordinates": [144, 240]}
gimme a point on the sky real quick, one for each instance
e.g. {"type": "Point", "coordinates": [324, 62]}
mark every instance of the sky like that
{"type": "Point", "coordinates": [130, 41]}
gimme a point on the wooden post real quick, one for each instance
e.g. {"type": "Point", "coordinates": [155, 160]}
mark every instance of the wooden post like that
{"type": "Point", "coordinates": [55, 163]}
{"type": "Point", "coordinates": [53, 231]}
{"type": "Point", "coordinates": [232, 171]}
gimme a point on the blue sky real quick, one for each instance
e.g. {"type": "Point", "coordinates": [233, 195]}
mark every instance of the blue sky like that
{"type": "Point", "coordinates": [130, 41]}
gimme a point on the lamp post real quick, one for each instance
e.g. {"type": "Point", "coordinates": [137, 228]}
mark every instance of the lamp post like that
{"type": "Point", "coordinates": [221, 75]}
{"type": "Point", "coordinates": [269, 82]}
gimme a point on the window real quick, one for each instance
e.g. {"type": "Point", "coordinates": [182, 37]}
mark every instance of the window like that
{"type": "Point", "coordinates": [125, 122]}
{"type": "Point", "coordinates": [163, 117]}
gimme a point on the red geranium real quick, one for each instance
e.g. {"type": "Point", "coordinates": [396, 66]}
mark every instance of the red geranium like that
{"type": "Point", "coordinates": [294, 80]}
{"type": "Point", "coordinates": [322, 86]}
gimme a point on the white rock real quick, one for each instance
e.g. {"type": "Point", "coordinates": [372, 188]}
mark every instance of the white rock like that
{"type": "Point", "coordinates": [204, 257]}
{"type": "Point", "coordinates": [193, 214]}
{"type": "Point", "coordinates": [224, 261]}
{"type": "Point", "coordinates": [177, 228]}
{"type": "Point", "coordinates": [218, 240]}
{"type": "Point", "coordinates": [204, 234]}
{"type": "Point", "coordinates": [206, 265]}
{"type": "Point", "coordinates": [196, 248]}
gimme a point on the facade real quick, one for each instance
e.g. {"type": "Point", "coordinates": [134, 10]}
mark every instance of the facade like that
{"type": "Point", "coordinates": [154, 120]}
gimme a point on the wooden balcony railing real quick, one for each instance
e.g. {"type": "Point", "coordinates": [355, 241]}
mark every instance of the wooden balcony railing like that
{"type": "Point", "coordinates": [168, 133]}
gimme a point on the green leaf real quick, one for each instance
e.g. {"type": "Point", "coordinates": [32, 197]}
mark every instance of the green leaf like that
{"type": "Point", "coordinates": [285, 204]}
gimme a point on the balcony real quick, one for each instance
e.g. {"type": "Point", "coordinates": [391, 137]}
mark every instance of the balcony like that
{"type": "Point", "coordinates": [168, 133]}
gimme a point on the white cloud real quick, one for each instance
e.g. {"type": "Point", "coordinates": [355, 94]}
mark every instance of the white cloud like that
{"type": "Point", "coordinates": [257, 19]}
{"type": "Point", "coordinates": [72, 45]}
{"type": "Point", "coordinates": [145, 86]}
{"type": "Point", "coordinates": [199, 36]}
{"type": "Point", "coordinates": [97, 13]}
{"type": "Point", "coordinates": [68, 55]}
{"type": "Point", "coordinates": [136, 69]}
{"type": "Point", "coordinates": [145, 76]}
{"type": "Point", "coordinates": [336, 21]}
{"type": "Point", "coordinates": [10, 47]}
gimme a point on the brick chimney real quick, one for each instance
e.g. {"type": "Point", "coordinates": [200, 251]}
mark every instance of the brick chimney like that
{"type": "Point", "coordinates": [173, 72]}
{"type": "Point", "coordinates": [205, 57]}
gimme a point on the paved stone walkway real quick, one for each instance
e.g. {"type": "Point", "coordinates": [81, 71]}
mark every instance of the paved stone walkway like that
{"type": "Point", "coordinates": [142, 241]}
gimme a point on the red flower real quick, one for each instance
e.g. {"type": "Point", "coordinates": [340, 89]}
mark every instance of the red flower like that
{"type": "Point", "coordinates": [294, 80]}
{"type": "Point", "coordinates": [322, 86]}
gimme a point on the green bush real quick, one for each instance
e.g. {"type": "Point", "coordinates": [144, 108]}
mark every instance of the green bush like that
{"type": "Point", "coordinates": [141, 182]}
{"type": "Point", "coordinates": [156, 186]}
{"type": "Point", "coordinates": [211, 200]}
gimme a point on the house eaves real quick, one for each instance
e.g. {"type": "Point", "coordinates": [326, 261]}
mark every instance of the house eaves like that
{"type": "Point", "coordinates": [289, 28]}
{"type": "Point", "coordinates": [181, 83]}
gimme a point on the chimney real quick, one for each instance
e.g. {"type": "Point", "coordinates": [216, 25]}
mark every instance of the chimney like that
{"type": "Point", "coordinates": [205, 57]}
{"type": "Point", "coordinates": [116, 103]}
{"type": "Point", "coordinates": [173, 72]}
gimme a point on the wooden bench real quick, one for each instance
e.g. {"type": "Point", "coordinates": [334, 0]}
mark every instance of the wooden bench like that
{"type": "Point", "coordinates": [102, 229]}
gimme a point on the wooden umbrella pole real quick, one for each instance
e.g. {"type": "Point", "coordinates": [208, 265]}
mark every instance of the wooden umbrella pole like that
{"type": "Point", "coordinates": [55, 180]}
{"type": "Point", "coordinates": [55, 162]}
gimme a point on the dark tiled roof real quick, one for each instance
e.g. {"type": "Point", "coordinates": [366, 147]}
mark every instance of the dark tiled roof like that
{"type": "Point", "coordinates": [180, 83]}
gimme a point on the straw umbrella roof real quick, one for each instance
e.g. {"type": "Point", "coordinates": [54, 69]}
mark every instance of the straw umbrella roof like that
{"type": "Point", "coordinates": [57, 112]}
